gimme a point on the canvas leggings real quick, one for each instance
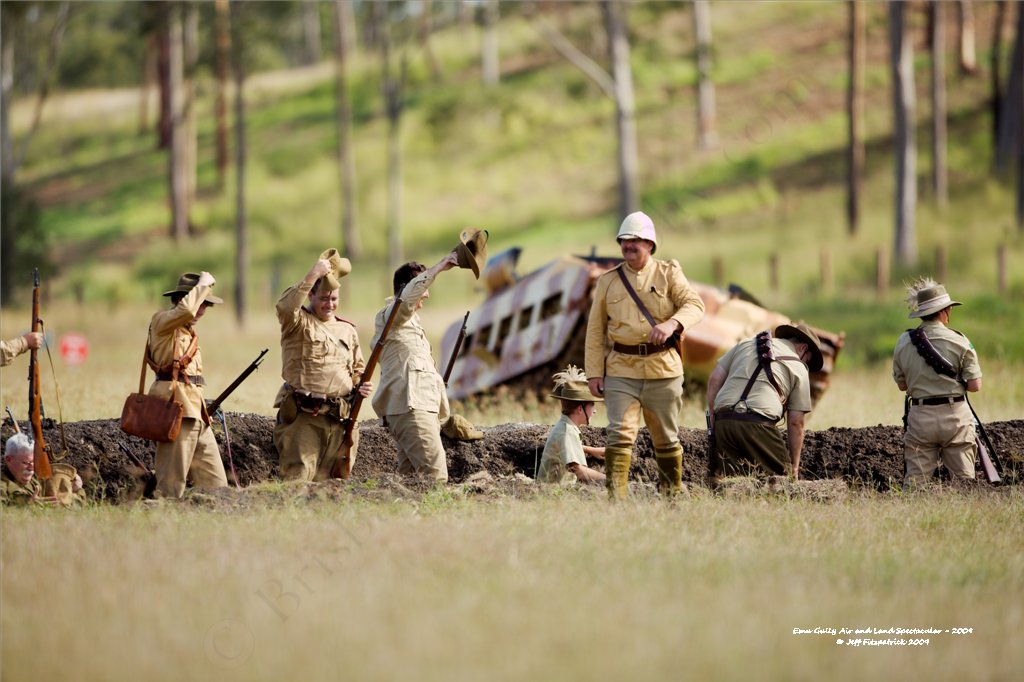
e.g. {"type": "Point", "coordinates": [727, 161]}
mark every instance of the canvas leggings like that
{"type": "Point", "coordinates": [939, 432]}
{"type": "Point", "coordinates": [417, 435]}
{"type": "Point", "coordinates": [192, 455]}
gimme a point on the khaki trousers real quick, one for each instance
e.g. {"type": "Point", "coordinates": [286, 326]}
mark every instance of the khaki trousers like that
{"type": "Point", "coordinates": [939, 432]}
{"type": "Point", "coordinates": [192, 455]}
{"type": "Point", "coordinates": [659, 400]}
{"type": "Point", "coordinates": [308, 446]}
{"type": "Point", "coordinates": [417, 434]}
{"type": "Point", "coordinates": [748, 448]}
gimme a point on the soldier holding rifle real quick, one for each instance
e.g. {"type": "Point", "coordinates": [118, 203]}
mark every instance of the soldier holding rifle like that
{"type": "Point", "coordinates": [173, 353]}
{"type": "Point", "coordinates": [936, 366]}
{"type": "Point", "coordinates": [18, 345]}
{"type": "Point", "coordinates": [412, 399]}
{"type": "Point", "coordinates": [321, 363]}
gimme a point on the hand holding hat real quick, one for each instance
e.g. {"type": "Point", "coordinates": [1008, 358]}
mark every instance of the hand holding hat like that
{"type": "Point", "coordinates": [339, 267]}
{"type": "Point", "coordinates": [472, 250]}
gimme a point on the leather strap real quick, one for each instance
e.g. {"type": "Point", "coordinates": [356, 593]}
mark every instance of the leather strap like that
{"type": "Point", "coordinates": [642, 349]}
{"type": "Point", "coordinates": [944, 400]}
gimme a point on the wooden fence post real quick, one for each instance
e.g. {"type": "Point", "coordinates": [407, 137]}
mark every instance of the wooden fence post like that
{"type": "Point", "coordinates": [940, 263]}
{"type": "Point", "coordinates": [1001, 268]}
{"type": "Point", "coordinates": [773, 272]}
{"type": "Point", "coordinates": [881, 272]}
{"type": "Point", "coordinates": [718, 270]}
{"type": "Point", "coordinates": [826, 269]}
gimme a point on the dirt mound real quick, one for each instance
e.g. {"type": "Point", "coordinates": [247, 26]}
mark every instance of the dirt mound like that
{"type": "Point", "coordinates": [502, 461]}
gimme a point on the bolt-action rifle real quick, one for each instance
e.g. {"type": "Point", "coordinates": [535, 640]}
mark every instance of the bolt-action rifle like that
{"type": "Point", "coordinates": [986, 452]}
{"type": "Point", "coordinates": [343, 464]}
{"type": "Point", "coordinates": [455, 351]}
{"type": "Point", "coordinates": [35, 400]}
{"type": "Point", "coordinates": [253, 366]}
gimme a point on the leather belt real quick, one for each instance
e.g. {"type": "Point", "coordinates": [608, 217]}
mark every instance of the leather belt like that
{"type": "Point", "coordinates": [946, 400]}
{"type": "Point", "coordinates": [744, 417]}
{"type": "Point", "coordinates": [642, 349]}
{"type": "Point", "coordinates": [197, 380]}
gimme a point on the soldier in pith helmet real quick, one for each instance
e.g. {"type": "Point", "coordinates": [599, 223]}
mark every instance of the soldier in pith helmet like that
{"type": "Point", "coordinates": [642, 372]}
{"type": "Point", "coordinates": [936, 366]}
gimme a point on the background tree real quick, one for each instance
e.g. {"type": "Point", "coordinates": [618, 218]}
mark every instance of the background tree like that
{"type": "Point", "coordinates": [177, 153]}
{"type": "Point", "coordinates": [904, 146]}
{"type": "Point", "coordinates": [350, 242]}
{"type": "Point", "coordinates": [966, 37]}
{"type": "Point", "coordinates": [490, 67]}
{"type": "Point", "coordinates": [392, 84]}
{"type": "Point", "coordinates": [937, 38]}
{"type": "Point", "coordinates": [855, 114]}
{"type": "Point", "coordinates": [241, 226]}
{"type": "Point", "coordinates": [707, 134]}
{"type": "Point", "coordinates": [996, 74]}
{"type": "Point", "coordinates": [222, 60]}
{"type": "Point", "coordinates": [311, 31]}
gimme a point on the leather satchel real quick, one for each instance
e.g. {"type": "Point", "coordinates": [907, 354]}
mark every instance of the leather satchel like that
{"type": "Point", "coordinates": [150, 417]}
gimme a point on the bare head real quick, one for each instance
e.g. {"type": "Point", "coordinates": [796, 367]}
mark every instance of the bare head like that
{"type": "Point", "coordinates": [19, 456]}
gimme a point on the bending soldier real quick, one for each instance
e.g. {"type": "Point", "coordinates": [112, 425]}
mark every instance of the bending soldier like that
{"type": "Point", "coordinates": [174, 354]}
{"type": "Point", "coordinates": [321, 363]}
{"type": "Point", "coordinates": [643, 372]}
{"type": "Point", "coordinates": [935, 366]}
{"type": "Point", "coordinates": [752, 387]}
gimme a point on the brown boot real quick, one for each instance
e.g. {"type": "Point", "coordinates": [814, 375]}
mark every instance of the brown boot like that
{"type": "Point", "coordinates": [616, 468]}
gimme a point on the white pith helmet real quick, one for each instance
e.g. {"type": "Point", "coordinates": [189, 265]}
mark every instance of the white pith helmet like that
{"type": "Point", "coordinates": [638, 225]}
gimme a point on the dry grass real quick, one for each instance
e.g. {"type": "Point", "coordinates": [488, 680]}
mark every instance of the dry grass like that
{"type": "Point", "coordinates": [560, 587]}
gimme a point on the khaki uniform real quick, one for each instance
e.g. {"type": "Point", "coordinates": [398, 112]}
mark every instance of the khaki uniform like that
{"type": "Point", "coordinates": [944, 431]}
{"type": "Point", "coordinates": [11, 349]}
{"type": "Point", "coordinates": [651, 384]}
{"type": "Point", "coordinates": [321, 363]}
{"type": "Point", "coordinates": [411, 396]}
{"type": "Point", "coordinates": [563, 447]}
{"type": "Point", "coordinates": [14, 493]}
{"type": "Point", "coordinates": [743, 447]}
{"type": "Point", "coordinates": [193, 454]}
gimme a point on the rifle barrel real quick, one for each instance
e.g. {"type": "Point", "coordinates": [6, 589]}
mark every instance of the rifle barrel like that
{"type": "Point", "coordinates": [253, 366]}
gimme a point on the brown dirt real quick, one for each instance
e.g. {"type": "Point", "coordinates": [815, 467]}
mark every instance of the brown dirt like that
{"type": "Point", "coordinates": [502, 462]}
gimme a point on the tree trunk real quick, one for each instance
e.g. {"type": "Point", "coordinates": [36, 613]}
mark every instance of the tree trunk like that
{"type": "Point", "coordinates": [707, 135]}
{"type": "Point", "coordinates": [191, 54]}
{"type": "Point", "coordinates": [938, 41]}
{"type": "Point", "coordinates": [1011, 129]}
{"type": "Point", "coordinates": [177, 152]}
{"type": "Point", "coordinates": [311, 31]}
{"type": "Point", "coordinates": [393, 106]}
{"type": "Point", "coordinates": [965, 37]}
{"type": "Point", "coordinates": [625, 106]}
{"type": "Point", "coordinates": [350, 244]}
{"type": "Point", "coordinates": [490, 66]}
{"type": "Point", "coordinates": [426, 33]}
{"type": "Point", "coordinates": [241, 228]}
{"type": "Point", "coordinates": [163, 70]}
{"type": "Point", "coordinates": [6, 92]}
{"type": "Point", "coordinates": [149, 59]}
{"type": "Point", "coordinates": [902, 61]}
{"type": "Point", "coordinates": [220, 107]}
{"type": "Point", "coordinates": [855, 115]}
{"type": "Point", "coordinates": [997, 77]}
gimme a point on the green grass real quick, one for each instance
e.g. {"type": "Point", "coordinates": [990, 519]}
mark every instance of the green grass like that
{"type": "Point", "coordinates": [514, 589]}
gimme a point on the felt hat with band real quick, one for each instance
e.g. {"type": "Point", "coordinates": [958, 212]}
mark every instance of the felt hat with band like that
{"type": "Point", "coordinates": [339, 268]}
{"type": "Point", "coordinates": [931, 300]}
{"type": "Point", "coordinates": [472, 250]}
{"type": "Point", "coordinates": [571, 384]}
{"type": "Point", "coordinates": [187, 283]}
{"type": "Point", "coordinates": [804, 334]}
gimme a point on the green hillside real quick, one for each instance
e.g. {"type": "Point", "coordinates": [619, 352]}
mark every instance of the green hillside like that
{"type": "Point", "coordinates": [533, 161]}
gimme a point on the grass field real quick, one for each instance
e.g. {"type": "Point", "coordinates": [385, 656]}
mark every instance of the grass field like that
{"type": "Point", "coordinates": [556, 588]}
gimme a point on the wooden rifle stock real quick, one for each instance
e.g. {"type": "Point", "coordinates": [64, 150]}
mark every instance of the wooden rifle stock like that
{"type": "Point", "coordinates": [253, 366]}
{"type": "Point", "coordinates": [986, 453]}
{"type": "Point", "coordinates": [455, 351]}
{"type": "Point", "coordinates": [35, 401]}
{"type": "Point", "coordinates": [343, 464]}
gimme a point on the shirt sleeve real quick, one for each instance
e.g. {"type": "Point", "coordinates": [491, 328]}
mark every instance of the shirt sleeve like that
{"type": "Point", "coordinates": [597, 327]}
{"type": "Point", "coordinates": [689, 304]}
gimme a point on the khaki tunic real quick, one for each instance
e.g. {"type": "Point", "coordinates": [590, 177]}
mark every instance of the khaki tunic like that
{"type": "Point", "coordinates": [615, 317]}
{"type": "Point", "coordinates": [562, 448]}
{"type": "Point", "coordinates": [740, 362]}
{"type": "Point", "coordinates": [937, 433]}
{"type": "Point", "coordinates": [411, 395]}
{"type": "Point", "coordinates": [194, 453]}
{"type": "Point", "coordinates": [14, 493]}
{"type": "Point", "coordinates": [11, 349]}
{"type": "Point", "coordinates": [324, 360]}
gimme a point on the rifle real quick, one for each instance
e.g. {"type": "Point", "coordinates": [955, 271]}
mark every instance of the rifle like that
{"type": "Point", "coordinates": [343, 464]}
{"type": "Point", "coordinates": [989, 460]}
{"type": "Point", "coordinates": [711, 442]}
{"type": "Point", "coordinates": [253, 366]}
{"type": "Point", "coordinates": [455, 350]}
{"type": "Point", "coordinates": [148, 477]}
{"type": "Point", "coordinates": [17, 429]}
{"type": "Point", "coordinates": [35, 400]}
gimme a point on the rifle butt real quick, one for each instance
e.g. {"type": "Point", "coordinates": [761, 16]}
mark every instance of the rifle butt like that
{"type": "Point", "coordinates": [987, 466]}
{"type": "Point", "coordinates": [342, 467]}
